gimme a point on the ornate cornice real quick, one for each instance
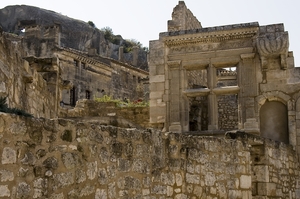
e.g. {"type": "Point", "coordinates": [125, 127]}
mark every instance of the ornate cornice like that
{"type": "Point", "coordinates": [207, 37]}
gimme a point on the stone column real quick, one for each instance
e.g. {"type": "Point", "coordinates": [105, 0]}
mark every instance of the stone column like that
{"type": "Point", "coordinates": [212, 99]}
{"type": "Point", "coordinates": [212, 111]}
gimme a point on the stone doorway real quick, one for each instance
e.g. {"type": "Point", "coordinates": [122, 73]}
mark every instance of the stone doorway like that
{"type": "Point", "coordinates": [274, 121]}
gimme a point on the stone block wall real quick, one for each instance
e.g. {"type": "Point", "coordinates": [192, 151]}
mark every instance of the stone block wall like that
{"type": "Point", "coordinates": [64, 158]}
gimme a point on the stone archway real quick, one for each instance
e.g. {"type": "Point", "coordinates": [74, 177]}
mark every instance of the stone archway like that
{"type": "Point", "coordinates": [274, 121]}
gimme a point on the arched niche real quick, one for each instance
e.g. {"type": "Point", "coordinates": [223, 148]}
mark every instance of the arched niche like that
{"type": "Point", "coordinates": [274, 121]}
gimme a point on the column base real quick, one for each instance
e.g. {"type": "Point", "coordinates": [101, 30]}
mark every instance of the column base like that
{"type": "Point", "coordinates": [251, 126]}
{"type": "Point", "coordinates": [175, 127]}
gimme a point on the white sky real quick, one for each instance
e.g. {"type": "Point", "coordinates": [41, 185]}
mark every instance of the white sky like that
{"type": "Point", "coordinates": [143, 20]}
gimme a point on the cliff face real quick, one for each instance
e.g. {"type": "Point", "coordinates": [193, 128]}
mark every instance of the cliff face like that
{"type": "Point", "coordinates": [75, 34]}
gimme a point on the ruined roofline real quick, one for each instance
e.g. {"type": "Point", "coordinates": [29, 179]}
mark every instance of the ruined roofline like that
{"type": "Point", "coordinates": [84, 55]}
{"type": "Point", "coordinates": [92, 59]}
{"type": "Point", "coordinates": [129, 66]}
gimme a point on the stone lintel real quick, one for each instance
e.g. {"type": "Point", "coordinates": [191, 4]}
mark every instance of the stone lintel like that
{"type": "Point", "coordinates": [225, 61]}
{"type": "Point", "coordinates": [234, 52]}
{"type": "Point", "coordinates": [226, 90]}
{"type": "Point", "coordinates": [196, 92]}
{"type": "Point", "coordinates": [247, 56]}
{"type": "Point", "coordinates": [196, 64]}
{"type": "Point", "coordinates": [192, 56]}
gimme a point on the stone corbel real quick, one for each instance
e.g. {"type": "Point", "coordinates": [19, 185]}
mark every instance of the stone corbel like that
{"type": "Point", "coordinates": [273, 45]}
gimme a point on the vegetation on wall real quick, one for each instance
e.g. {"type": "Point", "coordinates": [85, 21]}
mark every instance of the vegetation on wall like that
{"type": "Point", "coordinates": [92, 24]}
{"type": "Point", "coordinates": [128, 44]}
{"type": "Point", "coordinates": [122, 103]}
{"type": "Point", "coordinates": [4, 108]}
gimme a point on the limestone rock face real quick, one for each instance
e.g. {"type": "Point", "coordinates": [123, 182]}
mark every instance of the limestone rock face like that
{"type": "Point", "coordinates": [75, 34]}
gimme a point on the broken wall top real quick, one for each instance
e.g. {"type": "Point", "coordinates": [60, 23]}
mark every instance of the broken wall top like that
{"type": "Point", "coordinates": [183, 19]}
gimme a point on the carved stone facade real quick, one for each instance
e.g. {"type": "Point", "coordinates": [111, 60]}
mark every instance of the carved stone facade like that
{"type": "Point", "coordinates": [230, 77]}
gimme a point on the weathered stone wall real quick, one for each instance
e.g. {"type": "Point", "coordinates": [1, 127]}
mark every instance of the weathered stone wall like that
{"type": "Point", "coordinates": [24, 87]}
{"type": "Point", "coordinates": [183, 19]}
{"type": "Point", "coordinates": [275, 167]}
{"type": "Point", "coordinates": [109, 113]}
{"type": "Point", "coordinates": [66, 159]}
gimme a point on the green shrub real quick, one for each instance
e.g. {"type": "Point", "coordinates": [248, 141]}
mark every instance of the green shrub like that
{"type": "Point", "coordinates": [122, 103]}
{"type": "Point", "coordinates": [92, 24]}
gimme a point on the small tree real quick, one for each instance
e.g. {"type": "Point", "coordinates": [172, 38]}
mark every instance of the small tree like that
{"type": "Point", "coordinates": [92, 24]}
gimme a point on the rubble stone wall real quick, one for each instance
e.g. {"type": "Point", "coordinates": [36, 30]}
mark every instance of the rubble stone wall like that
{"type": "Point", "coordinates": [228, 112]}
{"type": "Point", "coordinates": [62, 158]}
{"type": "Point", "coordinates": [109, 113]}
{"type": "Point", "coordinates": [24, 88]}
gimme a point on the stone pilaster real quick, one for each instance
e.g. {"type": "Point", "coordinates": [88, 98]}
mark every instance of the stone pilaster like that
{"type": "Point", "coordinates": [175, 95]}
{"type": "Point", "coordinates": [249, 90]}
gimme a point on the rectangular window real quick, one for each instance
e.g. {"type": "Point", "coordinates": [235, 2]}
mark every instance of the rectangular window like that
{"type": "Point", "coordinates": [227, 76]}
{"type": "Point", "coordinates": [76, 63]}
{"type": "Point", "coordinates": [88, 94]}
{"type": "Point", "coordinates": [73, 96]}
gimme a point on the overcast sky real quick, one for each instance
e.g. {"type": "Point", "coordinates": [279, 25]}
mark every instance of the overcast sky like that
{"type": "Point", "coordinates": [143, 20]}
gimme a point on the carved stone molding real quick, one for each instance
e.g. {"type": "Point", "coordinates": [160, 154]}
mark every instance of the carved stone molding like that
{"type": "Point", "coordinates": [210, 37]}
{"type": "Point", "coordinates": [272, 45]}
{"type": "Point", "coordinates": [174, 64]}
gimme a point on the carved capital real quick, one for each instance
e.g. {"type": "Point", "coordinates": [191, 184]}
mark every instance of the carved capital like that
{"type": "Point", "coordinates": [273, 45]}
{"type": "Point", "coordinates": [174, 64]}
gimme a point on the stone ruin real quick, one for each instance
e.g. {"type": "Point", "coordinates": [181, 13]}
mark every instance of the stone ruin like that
{"type": "Point", "coordinates": [216, 79]}
{"type": "Point", "coordinates": [43, 72]}
{"type": "Point", "coordinates": [223, 101]}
